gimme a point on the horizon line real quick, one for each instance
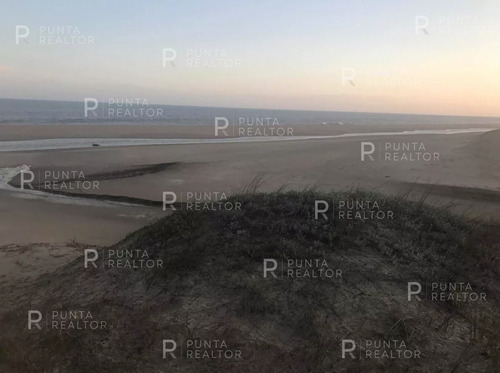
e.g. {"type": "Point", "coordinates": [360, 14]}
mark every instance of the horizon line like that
{"type": "Point", "coordinates": [274, 109]}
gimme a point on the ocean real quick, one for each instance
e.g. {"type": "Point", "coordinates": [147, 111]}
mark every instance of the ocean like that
{"type": "Point", "coordinates": [14, 111]}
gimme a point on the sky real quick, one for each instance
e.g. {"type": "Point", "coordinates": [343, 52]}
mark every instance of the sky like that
{"type": "Point", "coordinates": [415, 56]}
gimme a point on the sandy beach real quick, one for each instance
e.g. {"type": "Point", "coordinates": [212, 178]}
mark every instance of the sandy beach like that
{"type": "Point", "coordinates": [98, 197]}
{"type": "Point", "coordinates": [41, 231]}
{"type": "Point", "coordinates": [464, 175]}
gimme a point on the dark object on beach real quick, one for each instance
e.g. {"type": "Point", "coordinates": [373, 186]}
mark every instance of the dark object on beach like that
{"type": "Point", "coordinates": [96, 145]}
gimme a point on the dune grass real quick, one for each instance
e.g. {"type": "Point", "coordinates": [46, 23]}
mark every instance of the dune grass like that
{"type": "Point", "coordinates": [212, 286]}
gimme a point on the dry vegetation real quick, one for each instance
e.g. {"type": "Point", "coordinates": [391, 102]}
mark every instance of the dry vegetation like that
{"type": "Point", "coordinates": [211, 287]}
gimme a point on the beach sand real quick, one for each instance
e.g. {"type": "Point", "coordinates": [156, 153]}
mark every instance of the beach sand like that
{"type": "Point", "coordinates": [54, 131]}
{"type": "Point", "coordinates": [466, 176]}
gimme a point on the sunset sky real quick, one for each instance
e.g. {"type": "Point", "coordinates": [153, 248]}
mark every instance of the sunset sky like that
{"type": "Point", "coordinates": [435, 57]}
